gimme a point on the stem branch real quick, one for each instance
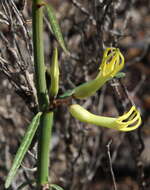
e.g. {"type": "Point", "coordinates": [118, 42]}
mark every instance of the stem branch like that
{"type": "Point", "coordinates": [43, 147]}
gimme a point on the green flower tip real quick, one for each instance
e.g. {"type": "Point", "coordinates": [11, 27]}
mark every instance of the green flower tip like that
{"type": "Point", "coordinates": [127, 122]}
{"type": "Point", "coordinates": [112, 63]}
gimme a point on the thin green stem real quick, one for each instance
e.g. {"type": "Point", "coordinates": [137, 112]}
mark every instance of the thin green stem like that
{"type": "Point", "coordinates": [43, 147]}
{"type": "Point", "coordinates": [37, 23]}
{"type": "Point", "coordinates": [42, 93]}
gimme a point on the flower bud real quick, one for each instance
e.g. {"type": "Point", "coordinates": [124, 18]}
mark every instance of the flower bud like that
{"type": "Point", "coordinates": [54, 73]}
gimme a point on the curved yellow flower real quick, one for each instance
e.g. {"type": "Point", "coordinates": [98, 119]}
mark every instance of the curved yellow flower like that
{"type": "Point", "coordinates": [127, 122]}
{"type": "Point", "coordinates": [112, 63]}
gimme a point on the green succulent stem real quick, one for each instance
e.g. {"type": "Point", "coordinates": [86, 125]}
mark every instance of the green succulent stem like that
{"type": "Point", "coordinates": [44, 148]}
{"type": "Point", "coordinates": [46, 120]}
{"type": "Point", "coordinates": [37, 23]}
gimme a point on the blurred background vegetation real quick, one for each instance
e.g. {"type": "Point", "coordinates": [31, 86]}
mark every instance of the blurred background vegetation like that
{"type": "Point", "coordinates": [84, 157]}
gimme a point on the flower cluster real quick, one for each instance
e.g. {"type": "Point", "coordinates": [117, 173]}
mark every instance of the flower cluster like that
{"type": "Point", "coordinates": [112, 63]}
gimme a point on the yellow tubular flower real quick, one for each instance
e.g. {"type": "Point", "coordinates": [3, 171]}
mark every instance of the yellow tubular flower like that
{"type": "Point", "coordinates": [112, 63]}
{"type": "Point", "coordinates": [127, 122]}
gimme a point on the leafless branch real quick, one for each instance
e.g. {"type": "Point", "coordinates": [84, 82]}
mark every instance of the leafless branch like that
{"type": "Point", "coordinates": [110, 164]}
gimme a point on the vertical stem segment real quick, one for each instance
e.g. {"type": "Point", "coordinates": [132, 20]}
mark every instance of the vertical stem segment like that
{"type": "Point", "coordinates": [43, 100]}
{"type": "Point", "coordinates": [37, 23]}
{"type": "Point", "coordinates": [43, 148]}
